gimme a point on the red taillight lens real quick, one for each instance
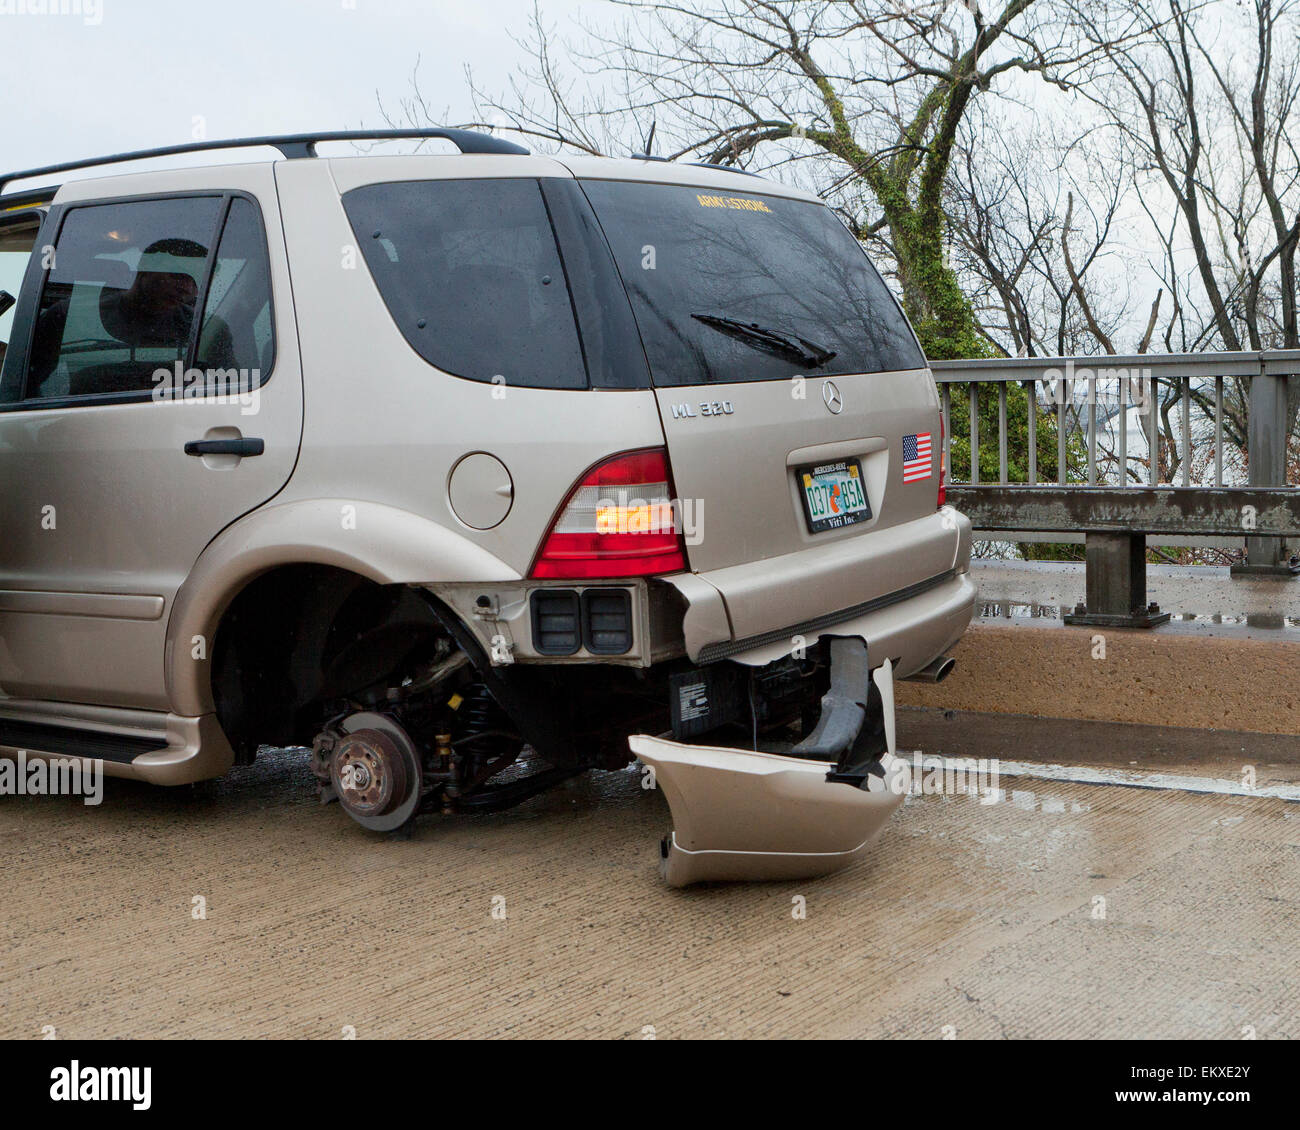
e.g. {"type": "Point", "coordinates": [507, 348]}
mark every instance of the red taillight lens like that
{"type": "Point", "coordinates": [619, 521]}
{"type": "Point", "coordinates": [943, 466]}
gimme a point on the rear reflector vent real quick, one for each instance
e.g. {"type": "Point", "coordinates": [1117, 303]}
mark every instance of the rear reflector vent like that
{"type": "Point", "coordinates": [557, 622]}
{"type": "Point", "coordinates": [607, 621]}
{"type": "Point", "coordinates": [564, 622]}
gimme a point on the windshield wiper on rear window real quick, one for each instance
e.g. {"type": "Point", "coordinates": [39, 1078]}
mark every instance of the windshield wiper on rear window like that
{"type": "Point", "coordinates": [768, 340]}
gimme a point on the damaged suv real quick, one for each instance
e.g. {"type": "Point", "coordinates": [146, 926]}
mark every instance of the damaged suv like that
{"type": "Point", "coordinates": [471, 472]}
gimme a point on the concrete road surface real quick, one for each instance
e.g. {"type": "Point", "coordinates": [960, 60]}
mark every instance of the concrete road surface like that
{"type": "Point", "coordinates": [1064, 910]}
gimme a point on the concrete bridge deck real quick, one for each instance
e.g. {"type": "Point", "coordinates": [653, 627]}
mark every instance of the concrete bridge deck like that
{"type": "Point", "coordinates": [1062, 910]}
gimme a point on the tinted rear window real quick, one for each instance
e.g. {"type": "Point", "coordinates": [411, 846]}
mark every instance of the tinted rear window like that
{"type": "Point", "coordinates": [472, 276]}
{"type": "Point", "coordinates": [787, 266]}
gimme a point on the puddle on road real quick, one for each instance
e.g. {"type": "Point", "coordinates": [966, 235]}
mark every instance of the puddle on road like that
{"type": "Point", "coordinates": [1028, 610]}
{"type": "Point", "coordinates": [1049, 804]}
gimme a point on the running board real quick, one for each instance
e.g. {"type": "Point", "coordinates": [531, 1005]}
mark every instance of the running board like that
{"type": "Point", "coordinates": [66, 741]}
{"type": "Point", "coordinates": [140, 745]}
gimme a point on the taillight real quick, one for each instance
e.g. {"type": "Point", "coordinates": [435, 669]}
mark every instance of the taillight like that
{"type": "Point", "coordinates": [617, 522]}
{"type": "Point", "coordinates": [943, 466]}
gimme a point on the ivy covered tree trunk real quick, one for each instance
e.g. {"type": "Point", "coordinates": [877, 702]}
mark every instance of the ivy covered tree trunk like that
{"type": "Point", "coordinates": [932, 297]}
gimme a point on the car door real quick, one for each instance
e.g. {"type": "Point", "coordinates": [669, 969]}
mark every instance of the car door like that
{"type": "Point", "coordinates": [150, 396]}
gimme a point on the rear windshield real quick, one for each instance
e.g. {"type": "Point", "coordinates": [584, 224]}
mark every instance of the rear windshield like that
{"type": "Point", "coordinates": [733, 287]}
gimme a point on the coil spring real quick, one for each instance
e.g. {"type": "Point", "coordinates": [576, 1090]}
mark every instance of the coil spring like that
{"type": "Point", "coordinates": [480, 712]}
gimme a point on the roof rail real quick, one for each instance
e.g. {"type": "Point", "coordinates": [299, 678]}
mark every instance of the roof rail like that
{"type": "Point", "coordinates": [726, 168]}
{"type": "Point", "coordinates": [291, 145]}
{"type": "Point", "coordinates": [698, 165]}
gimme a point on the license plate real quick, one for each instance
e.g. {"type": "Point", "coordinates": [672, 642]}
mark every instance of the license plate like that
{"type": "Point", "coordinates": [834, 495]}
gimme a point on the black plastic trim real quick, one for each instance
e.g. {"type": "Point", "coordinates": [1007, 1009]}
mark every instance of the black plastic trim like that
{"type": "Point", "coordinates": [71, 742]}
{"type": "Point", "coordinates": [589, 641]}
{"type": "Point", "coordinates": [712, 652]}
{"type": "Point", "coordinates": [245, 446]}
{"type": "Point", "coordinates": [555, 602]}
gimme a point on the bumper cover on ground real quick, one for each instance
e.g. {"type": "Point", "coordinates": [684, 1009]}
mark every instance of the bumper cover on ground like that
{"type": "Point", "coordinates": [741, 814]}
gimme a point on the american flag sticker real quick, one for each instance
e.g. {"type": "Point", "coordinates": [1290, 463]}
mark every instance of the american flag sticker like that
{"type": "Point", "coordinates": [917, 460]}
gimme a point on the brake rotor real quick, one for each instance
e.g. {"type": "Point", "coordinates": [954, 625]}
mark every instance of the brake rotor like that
{"type": "Point", "coordinates": [375, 771]}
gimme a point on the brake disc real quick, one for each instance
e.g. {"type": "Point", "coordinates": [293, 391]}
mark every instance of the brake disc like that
{"type": "Point", "coordinates": [375, 771]}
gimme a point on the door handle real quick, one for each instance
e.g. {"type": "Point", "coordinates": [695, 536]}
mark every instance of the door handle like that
{"type": "Point", "coordinates": [243, 446]}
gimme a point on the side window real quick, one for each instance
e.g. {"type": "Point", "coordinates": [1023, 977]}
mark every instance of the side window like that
{"type": "Point", "coordinates": [472, 276]}
{"type": "Point", "coordinates": [236, 341]}
{"type": "Point", "coordinates": [16, 242]}
{"type": "Point", "coordinates": [119, 301]}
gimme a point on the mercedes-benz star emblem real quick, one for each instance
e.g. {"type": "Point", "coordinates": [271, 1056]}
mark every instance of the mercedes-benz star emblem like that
{"type": "Point", "coordinates": [832, 398]}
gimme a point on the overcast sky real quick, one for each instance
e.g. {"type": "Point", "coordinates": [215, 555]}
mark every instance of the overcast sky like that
{"type": "Point", "coordinates": [144, 70]}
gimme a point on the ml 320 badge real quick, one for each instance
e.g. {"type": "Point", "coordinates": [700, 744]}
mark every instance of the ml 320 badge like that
{"type": "Point", "coordinates": [706, 408]}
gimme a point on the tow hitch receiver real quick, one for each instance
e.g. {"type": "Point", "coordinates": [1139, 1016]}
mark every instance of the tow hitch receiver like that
{"type": "Point", "coordinates": [743, 814]}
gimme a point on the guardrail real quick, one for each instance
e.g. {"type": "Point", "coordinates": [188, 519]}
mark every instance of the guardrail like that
{"type": "Point", "coordinates": [1119, 495]}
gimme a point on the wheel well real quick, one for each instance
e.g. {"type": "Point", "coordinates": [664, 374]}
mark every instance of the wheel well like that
{"type": "Point", "coordinates": [300, 638]}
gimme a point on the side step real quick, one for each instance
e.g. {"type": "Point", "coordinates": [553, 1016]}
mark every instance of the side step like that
{"type": "Point", "coordinates": [40, 737]}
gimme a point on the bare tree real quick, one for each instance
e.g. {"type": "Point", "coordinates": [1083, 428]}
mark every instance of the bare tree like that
{"type": "Point", "coordinates": [1212, 125]}
{"type": "Point", "coordinates": [1033, 241]}
{"type": "Point", "coordinates": [1206, 107]}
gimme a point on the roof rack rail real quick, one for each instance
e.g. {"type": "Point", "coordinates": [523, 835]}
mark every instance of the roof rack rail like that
{"type": "Point", "coordinates": [291, 145]}
{"type": "Point", "coordinates": [725, 168]}
{"type": "Point", "coordinates": [698, 164]}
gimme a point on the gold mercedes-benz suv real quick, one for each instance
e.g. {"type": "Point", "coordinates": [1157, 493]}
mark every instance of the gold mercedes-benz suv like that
{"type": "Point", "coordinates": [470, 471]}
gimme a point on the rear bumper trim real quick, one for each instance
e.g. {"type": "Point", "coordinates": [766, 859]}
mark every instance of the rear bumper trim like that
{"type": "Point", "coordinates": [711, 653]}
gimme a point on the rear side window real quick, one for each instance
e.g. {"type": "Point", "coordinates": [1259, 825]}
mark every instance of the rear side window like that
{"type": "Point", "coordinates": [118, 309]}
{"type": "Point", "coordinates": [731, 287]}
{"type": "Point", "coordinates": [237, 328]}
{"type": "Point", "coordinates": [472, 276]}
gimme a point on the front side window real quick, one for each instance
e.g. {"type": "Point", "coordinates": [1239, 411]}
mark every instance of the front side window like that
{"type": "Point", "coordinates": [471, 273]}
{"type": "Point", "coordinates": [733, 287]}
{"type": "Point", "coordinates": [118, 309]}
{"type": "Point", "coordinates": [119, 300]}
{"type": "Point", "coordinates": [16, 242]}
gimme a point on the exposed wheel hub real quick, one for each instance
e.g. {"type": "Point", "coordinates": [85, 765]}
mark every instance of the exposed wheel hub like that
{"type": "Point", "coordinates": [375, 771]}
{"type": "Point", "coordinates": [369, 773]}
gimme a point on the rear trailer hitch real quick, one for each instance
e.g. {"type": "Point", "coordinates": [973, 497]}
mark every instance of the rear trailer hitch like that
{"type": "Point", "coordinates": [745, 814]}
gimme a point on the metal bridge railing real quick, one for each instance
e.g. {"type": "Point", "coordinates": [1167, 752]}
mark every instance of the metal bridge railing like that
{"type": "Point", "coordinates": [1121, 492]}
{"type": "Point", "coordinates": [1124, 386]}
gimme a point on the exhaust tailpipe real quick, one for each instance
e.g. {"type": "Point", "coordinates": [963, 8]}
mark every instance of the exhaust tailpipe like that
{"type": "Point", "coordinates": [934, 672]}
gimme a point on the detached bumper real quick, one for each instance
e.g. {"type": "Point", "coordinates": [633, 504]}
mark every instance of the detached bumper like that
{"type": "Point", "coordinates": [738, 814]}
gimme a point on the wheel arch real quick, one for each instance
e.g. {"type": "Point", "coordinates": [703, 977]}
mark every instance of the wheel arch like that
{"type": "Point", "coordinates": [373, 542]}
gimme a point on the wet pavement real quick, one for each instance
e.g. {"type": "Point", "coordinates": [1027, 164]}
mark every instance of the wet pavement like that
{"type": "Point", "coordinates": [1062, 909]}
{"type": "Point", "coordinates": [1202, 599]}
